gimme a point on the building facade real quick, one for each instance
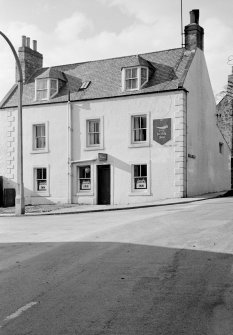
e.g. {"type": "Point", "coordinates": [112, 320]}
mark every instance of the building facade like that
{"type": "Point", "coordinates": [124, 130]}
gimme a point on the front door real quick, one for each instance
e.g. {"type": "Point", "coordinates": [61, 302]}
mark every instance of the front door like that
{"type": "Point", "coordinates": [103, 177]}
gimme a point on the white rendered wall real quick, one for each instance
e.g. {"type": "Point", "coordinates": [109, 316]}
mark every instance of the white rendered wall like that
{"type": "Point", "coordinates": [55, 159]}
{"type": "Point", "coordinates": [209, 171]}
{"type": "Point", "coordinates": [166, 161]}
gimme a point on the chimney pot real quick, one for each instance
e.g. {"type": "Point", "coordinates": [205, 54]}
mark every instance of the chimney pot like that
{"type": "Point", "coordinates": [194, 16]}
{"type": "Point", "coordinates": [34, 45]}
{"type": "Point", "coordinates": [23, 41]}
{"type": "Point", "coordinates": [28, 42]}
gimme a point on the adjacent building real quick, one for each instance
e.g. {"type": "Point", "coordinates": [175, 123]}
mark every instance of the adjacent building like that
{"type": "Point", "coordinates": [224, 118]}
{"type": "Point", "coordinates": [124, 130]}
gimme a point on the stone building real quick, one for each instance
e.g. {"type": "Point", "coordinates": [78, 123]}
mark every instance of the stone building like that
{"type": "Point", "coordinates": [224, 112]}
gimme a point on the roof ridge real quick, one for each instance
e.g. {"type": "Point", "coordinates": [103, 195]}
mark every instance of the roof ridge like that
{"type": "Point", "coordinates": [111, 58]}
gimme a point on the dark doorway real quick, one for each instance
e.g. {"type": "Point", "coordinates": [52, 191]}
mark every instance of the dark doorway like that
{"type": "Point", "coordinates": [103, 175]}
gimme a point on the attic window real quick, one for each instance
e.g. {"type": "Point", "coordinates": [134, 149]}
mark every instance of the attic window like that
{"type": "Point", "coordinates": [134, 78]}
{"type": "Point", "coordinates": [46, 88]}
{"type": "Point", "coordinates": [84, 85]}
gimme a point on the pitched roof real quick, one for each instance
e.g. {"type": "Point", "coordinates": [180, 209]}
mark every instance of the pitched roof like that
{"type": "Point", "coordinates": [51, 73]}
{"type": "Point", "coordinates": [169, 71]}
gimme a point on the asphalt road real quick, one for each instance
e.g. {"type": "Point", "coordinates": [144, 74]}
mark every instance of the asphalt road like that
{"type": "Point", "coordinates": [161, 271]}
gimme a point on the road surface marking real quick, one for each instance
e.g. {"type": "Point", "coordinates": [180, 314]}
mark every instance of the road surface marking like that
{"type": "Point", "coordinates": [18, 312]}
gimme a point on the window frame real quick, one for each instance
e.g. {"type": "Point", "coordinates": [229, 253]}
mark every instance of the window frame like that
{"type": "Point", "coordinates": [35, 179]}
{"type": "Point", "coordinates": [139, 78]}
{"type": "Point", "coordinates": [99, 146]}
{"type": "Point", "coordinates": [138, 144]}
{"type": "Point", "coordinates": [140, 191]}
{"type": "Point", "coordinates": [36, 150]}
{"type": "Point", "coordinates": [48, 88]}
{"type": "Point", "coordinates": [80, 191]}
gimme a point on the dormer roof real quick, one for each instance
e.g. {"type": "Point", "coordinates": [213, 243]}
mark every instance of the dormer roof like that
{"type": "Point", "coordinates": [51, 73]}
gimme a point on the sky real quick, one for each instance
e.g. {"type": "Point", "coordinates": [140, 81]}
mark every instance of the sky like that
{"type": "Point", "coordinates": [73, 31]}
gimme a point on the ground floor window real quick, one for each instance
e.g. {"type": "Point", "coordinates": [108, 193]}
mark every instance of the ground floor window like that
{"type": "Point", "coordinates": [41, 182]}
{"type": "Point", "coordinates": [84, 178]}
{"type": "Point", "coordinates": [140, 176]}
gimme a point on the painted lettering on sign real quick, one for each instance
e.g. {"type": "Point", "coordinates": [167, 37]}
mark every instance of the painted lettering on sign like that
{"type": "Point", "coordinates": [141, 183]}
{"type": "Point", "coordinates": [102, 156]}
{"type": "Point", "coordinates": [86, 185]}
{"type": "Point", "coordinates": [162, 130]}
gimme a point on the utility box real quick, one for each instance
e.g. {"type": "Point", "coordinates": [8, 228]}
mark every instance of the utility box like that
{"type": "Point", "coordinates": [1, 191]}
{"type": "Point", "coordinates": [9, 197]}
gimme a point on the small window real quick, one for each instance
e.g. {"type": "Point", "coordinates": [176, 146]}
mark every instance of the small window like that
{"type": "Point", "coordinates": [41, 89]}
{"type": "Point", "coordinates": [139, 128]}
{"type": "Point", "coordinates": [46, 88]}
{"type": "Point", "coordinates": [84, 85]}
{"type": "Point", "coordinates": [41, 184]}
{"type": "Point", "coordinates": [84, 178]}
{"type": "Point", "coordinates": [93, 132]}
{"type": "Point", "coordinates": [39, 136]}
{"type": "Point", "coordinates": [220, 147]}
{"type": "Point", "coordinates": [134, 78]}
{"type": "Point", "coordinates": [131, 79]}
{"type": "Point", "coordinates": [140, 176]}
{"type": "Point", "coordinates": [144, 75]}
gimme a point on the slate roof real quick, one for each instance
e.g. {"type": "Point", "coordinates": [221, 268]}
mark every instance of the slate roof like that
{"type": "Point", "coordinates": [168, 70]}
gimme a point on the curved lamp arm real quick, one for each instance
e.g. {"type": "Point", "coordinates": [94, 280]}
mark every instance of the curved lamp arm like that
{"type": "Point", "coordinates": [19, 200]}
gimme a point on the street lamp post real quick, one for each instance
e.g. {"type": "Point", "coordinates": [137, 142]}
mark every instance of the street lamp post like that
{"type": "Point", "coordinates": [19, 200]}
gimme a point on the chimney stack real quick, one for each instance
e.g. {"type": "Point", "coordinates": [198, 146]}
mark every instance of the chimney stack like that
{"type": "Point", "coordinates": [194, 34]}
{"type": "Point", "coordinates": [30, 59]}
{"type": "Point", "coordinates": [230, 84]}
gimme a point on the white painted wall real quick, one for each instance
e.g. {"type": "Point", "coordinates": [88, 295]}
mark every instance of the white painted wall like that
{"type": "Point", "coordinates": [210, 170]}
{"type": "Point", "coordinates": [55, 159]}
{"type": "Point", "coordinates": [115, 115]}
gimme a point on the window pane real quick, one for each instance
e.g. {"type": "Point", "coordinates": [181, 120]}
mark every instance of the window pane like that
{"type": "Point", "coordinates": [91, 126]}
{"type": "Point", "coordinates": [142, 134]}
{"type": "Point", "coordinates": [143, 75]}
{"type": "Point", "coordinates": [143, 122]}
{"type": "Point", "coordinates": [42, 95]}
{"type": "Point", "coordinates": [128, 84]}
{"type": "Point", "coordinates": [53, 84]}
{"type": "Point", "coordinates": [41, 84]}
{"type": "Point", "coordinates": [40, 142]}
{"type": "Point", "coordinates": [144, 170]}
{"type": "Point", "coordinates": [91, 139]}
{"type": "Point", "coordinates": [128, 73]}
{"type": "Point", "coordinates": [134, 73]}
{"type": "Point", "coordinates": [134, 83]}
{"type": "Point", "coordinates": [96, 139]}
{"type": "Point", "coordinates": [136, 170]}
{"type": "Point", "coordinates": [39, 174]}
{"type": "Point", "coordinates": [136, 122]}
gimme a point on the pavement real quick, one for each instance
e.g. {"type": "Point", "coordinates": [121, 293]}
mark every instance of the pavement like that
{"type": "Point", "coordinates": [56, 209]}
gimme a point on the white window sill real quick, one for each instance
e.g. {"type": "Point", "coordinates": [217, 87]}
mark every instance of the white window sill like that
{"type": "Point", "coordinates": [140, 193]}
{"type": "Point", "coordinates": [93, 148]}
{"type": "Point", "coordinates": [139, 145]}
{"type": "Point", "coordinates": [91, 193]}
{"type": "Point", "coordinates": [40, 151]}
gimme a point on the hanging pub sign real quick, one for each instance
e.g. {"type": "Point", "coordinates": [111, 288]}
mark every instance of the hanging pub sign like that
{"type": "Point", "coordinates": [102, 157]}
{"type": "Point", "coordinates": [162, 130]}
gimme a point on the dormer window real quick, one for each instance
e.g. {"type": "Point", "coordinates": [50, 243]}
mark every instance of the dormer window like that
{"type": "Point", "coordinates": [134, 78]}
{"type": "Point", "coordinates": [46, 88]}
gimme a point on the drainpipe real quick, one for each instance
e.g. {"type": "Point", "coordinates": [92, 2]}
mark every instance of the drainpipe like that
{"type": "Point", "coordinates": [186, 144]}
{"type": "Point", "coordinates": [69, 148]}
